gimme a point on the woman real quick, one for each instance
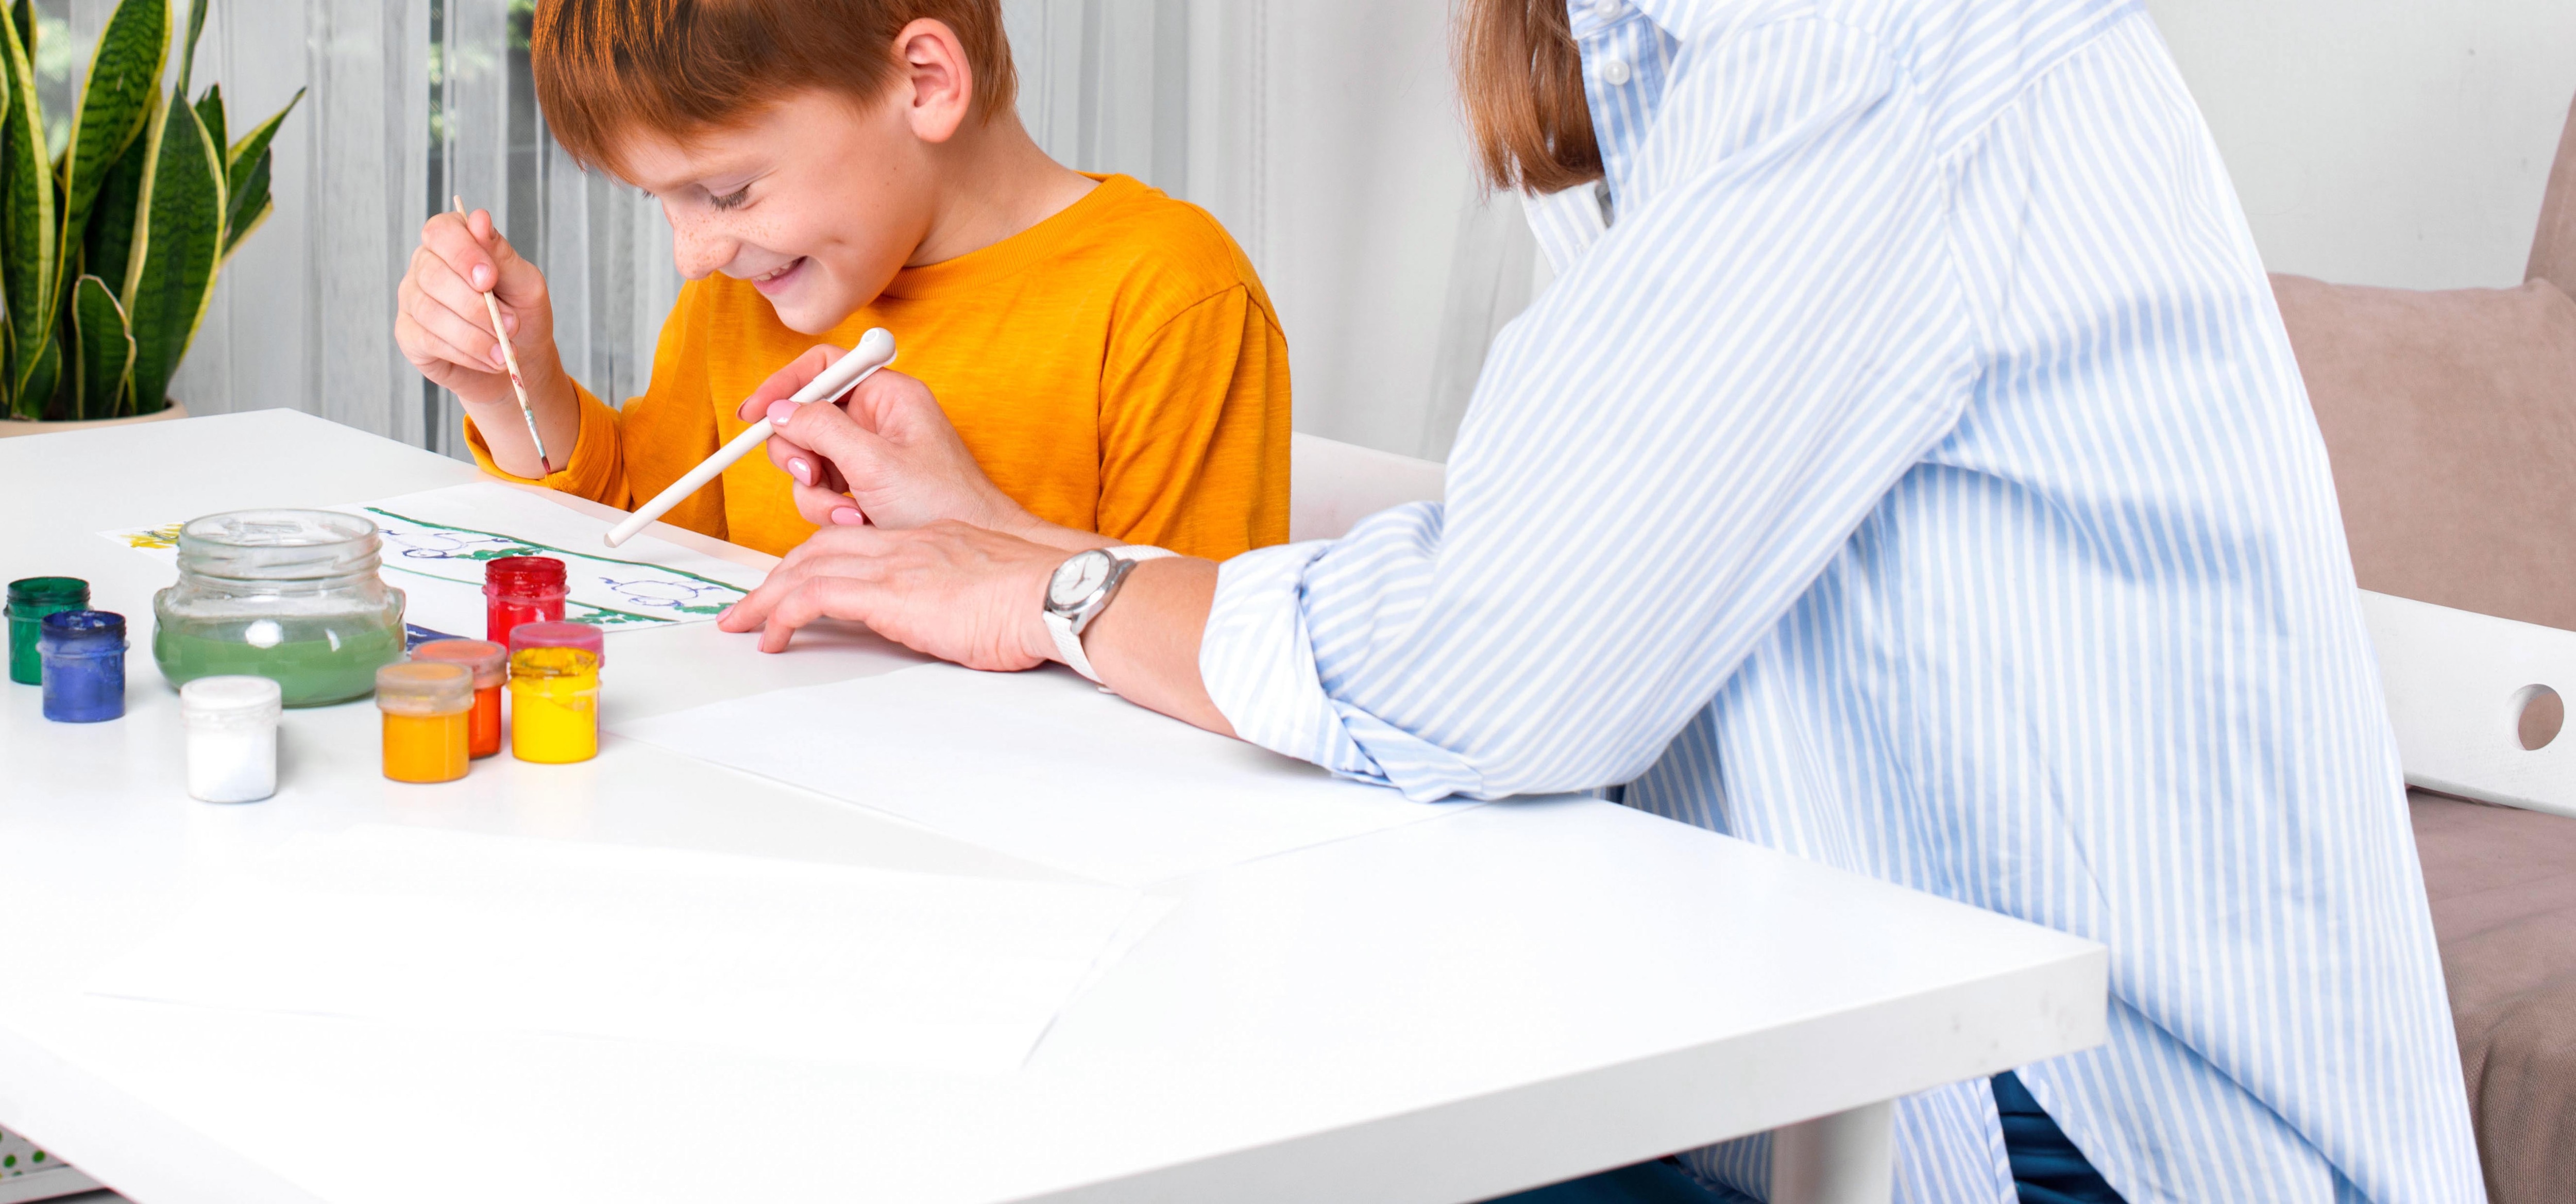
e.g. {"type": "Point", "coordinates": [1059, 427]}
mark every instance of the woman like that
{"type": "Point", "coordinates": [1907, 469]}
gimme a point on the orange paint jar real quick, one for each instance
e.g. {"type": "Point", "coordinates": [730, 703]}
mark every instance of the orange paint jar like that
{"type": "Point", "coordinates": [490, 664]}
{"type": "Point", "coordinates": [429, 709]}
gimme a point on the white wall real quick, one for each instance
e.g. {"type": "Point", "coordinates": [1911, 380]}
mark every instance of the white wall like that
{"type": "Point", "coordinates": [2392, 142]}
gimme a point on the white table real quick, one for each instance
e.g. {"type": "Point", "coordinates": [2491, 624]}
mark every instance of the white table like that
{"type": "Point", "coordinates": [1485, 1002]}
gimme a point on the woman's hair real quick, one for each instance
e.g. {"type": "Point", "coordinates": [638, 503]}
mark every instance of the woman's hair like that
{"type": "Point", "coordinates": [607, 68]}
{"type": "Point", "coordinates": [1521, 80]}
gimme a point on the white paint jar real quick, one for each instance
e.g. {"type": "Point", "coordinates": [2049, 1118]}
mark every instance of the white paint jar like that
{"type": "Point", "coordinates": [232, 737]}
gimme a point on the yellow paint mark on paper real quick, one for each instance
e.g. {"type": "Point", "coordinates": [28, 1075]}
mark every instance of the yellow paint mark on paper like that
{"type": "Point", "coordinates": [156, 537]}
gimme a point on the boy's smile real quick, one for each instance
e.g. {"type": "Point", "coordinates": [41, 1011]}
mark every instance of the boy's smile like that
{"type": "Point", "coordinates": [779, 279]}
{"type": "Point", "coordinates": [817, 201]}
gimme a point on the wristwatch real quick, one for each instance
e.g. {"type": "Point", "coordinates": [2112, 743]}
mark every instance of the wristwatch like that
{"type": "Point", "coordinates": [1080, 589]}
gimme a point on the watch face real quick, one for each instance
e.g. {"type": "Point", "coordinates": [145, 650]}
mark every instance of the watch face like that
{"type": "Point", "coordinates": [1077, 579]}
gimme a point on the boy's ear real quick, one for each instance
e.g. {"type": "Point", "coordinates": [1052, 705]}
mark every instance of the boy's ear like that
{"type": "Point", "coordinates": [939, 81]}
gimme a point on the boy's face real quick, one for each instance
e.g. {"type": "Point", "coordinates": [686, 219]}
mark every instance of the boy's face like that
{"type": "Point", "coordinates": [817, 201]}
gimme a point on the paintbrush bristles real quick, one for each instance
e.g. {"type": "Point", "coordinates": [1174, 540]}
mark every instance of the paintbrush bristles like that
{"type": "Point", "coordinates": [510, 358]}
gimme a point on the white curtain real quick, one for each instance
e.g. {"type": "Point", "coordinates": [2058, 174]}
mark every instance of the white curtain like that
{"type": "Point", "coordinates": [1323, 133]}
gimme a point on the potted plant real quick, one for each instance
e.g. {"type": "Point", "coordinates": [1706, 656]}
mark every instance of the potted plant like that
{"type": "Point", "coordinates": [108, 253]}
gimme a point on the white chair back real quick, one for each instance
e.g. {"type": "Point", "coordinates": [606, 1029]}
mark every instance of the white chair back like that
{"type": "Point", "coordinates": [2457, 685]}
{"type": "Point", "coordinates": [1334, 485]}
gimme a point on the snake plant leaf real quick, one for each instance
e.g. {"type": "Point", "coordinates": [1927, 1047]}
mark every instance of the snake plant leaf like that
{"type": "Point", "coordinates": [23, 14]}
{"type": "Point", "coordinates": [188, 56]}
{"type": "Point", "coordinates": [254, 145]}
{"type": "Point", "coordinates": [124, 80]}
{"type": "Point", "coordinates": [178, 243]}
{"type": "Point", "coordinates": [27, 247]}
{"type": "Point", "coordinates": [246, 204]}
{"type": "Point", "coordinates": [246, 178]}
{"type": "Point", "coordinates": [8, 355]}
{"type": "Point", "coordinates": [111, 220]}
{"type": "Point", "coordinates": [44, 373]}
{"type": "Point", "coordinates": [210, 114]}
{"type": "Point", "coordinates": [105, 363]}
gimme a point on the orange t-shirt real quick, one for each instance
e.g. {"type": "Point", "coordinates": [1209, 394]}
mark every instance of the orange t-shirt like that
{"type": "Point", "coordinates": [1115, 368]}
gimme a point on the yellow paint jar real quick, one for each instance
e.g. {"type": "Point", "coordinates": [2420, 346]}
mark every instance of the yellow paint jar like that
{"type": "Point", "coordinates": [429, 708]}
{"type": "Point", "coordinates": [554, 705]}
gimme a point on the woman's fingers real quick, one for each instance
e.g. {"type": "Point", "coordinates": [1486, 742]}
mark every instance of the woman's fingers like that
{"type": "Point", "coordinates": [822, 450]}
{"type": "Point", "coordinates": [839, 547]}
{"type": "Point", "coordinates": [826, 506]}
{"type": "Point", "coordinates": [815, 598]}
{"type": "Point", "coordinates": [784, 383]}
{"type": "Point", "coordinates": [860, 454]}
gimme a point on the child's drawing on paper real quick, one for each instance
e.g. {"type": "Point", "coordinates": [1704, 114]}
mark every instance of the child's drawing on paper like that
{"type": "Point", "coordinates": [152, 538]}
{"type": "Point", "coordinates": [663, 593]}
{"type": "Point", "coordinates": [604, 591]}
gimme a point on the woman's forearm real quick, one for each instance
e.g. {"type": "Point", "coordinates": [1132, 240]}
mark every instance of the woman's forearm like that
{"type": "Point", "coordinates": [1146, 645]}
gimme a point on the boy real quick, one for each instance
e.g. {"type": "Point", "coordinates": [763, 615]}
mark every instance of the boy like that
{"type": "Point", "coordinates": [1105, 352]}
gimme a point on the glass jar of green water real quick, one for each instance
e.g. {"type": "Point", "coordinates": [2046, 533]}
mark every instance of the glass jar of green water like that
{"type": "Point", "coordinates": [289, 595]}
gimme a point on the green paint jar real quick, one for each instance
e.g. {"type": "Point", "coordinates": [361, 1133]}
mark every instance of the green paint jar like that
{"type": "Point", "coordinates": [30, 600]}
{"type": "Point", "coordinates": [294, 596]}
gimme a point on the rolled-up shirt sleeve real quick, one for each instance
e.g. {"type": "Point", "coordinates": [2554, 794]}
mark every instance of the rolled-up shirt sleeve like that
{"type": "Point", "coordinates": [1662, 454]}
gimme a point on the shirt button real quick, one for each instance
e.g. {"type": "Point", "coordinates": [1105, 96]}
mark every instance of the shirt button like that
{"type": "Point", "coordinates": [1614, 72]}
{"type": "Point", "coordinates": [1607, 8]}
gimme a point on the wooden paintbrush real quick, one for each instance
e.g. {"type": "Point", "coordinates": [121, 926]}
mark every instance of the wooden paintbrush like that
{"type": "Point", "coordinates": [510, 356]}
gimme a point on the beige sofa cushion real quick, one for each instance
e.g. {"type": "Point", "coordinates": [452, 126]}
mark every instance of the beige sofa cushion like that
{"type": "Point", "coordinates": [2450, 420]}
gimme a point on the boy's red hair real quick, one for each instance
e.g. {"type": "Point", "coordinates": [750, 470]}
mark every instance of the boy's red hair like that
{"type": "Point", "coordinates": [606, 68]}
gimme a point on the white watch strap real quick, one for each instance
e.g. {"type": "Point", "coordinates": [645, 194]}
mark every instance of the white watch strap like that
{"type": "Point", "coordinates": [1068, 642]}
{"type": "Point", "coordinates": [1069, 645]}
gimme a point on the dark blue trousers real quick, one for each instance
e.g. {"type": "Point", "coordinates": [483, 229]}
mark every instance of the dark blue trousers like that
{"type": "Point", "coordinates": [2046, 1167]}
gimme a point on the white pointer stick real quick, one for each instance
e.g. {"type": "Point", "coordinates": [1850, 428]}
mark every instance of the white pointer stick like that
{"type": "Point", "coordinates": [875, 350]}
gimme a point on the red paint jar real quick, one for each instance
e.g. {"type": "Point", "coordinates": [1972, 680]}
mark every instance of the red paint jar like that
{"type": "Point", "coordinates": [521, 589]}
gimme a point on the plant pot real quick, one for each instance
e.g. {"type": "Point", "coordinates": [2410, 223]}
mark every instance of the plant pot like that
{"type": "Point", "coordinates": [20, 426]}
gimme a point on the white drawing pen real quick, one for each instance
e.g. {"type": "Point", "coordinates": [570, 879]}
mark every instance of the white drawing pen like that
{"type": "Point", "coordinates": [875, 350]}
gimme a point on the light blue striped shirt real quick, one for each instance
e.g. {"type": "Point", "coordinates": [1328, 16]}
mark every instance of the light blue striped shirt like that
{"type": "Point", "coordinates": [1908, 469]}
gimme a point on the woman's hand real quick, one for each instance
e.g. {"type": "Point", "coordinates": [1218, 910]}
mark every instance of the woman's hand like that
{"type": "Point", "coordinates": [892, 460]}
{"type": "Point", "coordinates": [445, 331]}
{"type": "Point", "coordinates": [957, 592]}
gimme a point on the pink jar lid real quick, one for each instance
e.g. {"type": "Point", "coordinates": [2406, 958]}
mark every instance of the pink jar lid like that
{"type": "Point", "coordinates": [559, 635]}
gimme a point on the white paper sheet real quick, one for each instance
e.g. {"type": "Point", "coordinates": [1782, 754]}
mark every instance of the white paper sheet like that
{"type": "Point", "coordinates": [781, 958]}
{"type": "Point", "coordinates": [1040, 765]}
{"type": "Point", "coordinates": [435, 543]}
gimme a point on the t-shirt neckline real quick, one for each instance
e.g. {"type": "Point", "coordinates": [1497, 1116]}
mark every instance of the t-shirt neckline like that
{"type": "Point", "coordinates": [985, 266]}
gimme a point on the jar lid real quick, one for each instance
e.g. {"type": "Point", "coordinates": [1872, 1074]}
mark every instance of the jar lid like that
{"type": "Point", "coordinates": [278, 545]}
{"type": "Point", "coordinates": [49, 591]}
{"type": "Point", "coordinates": [560, 635]}
{"type": "Point", "coordinates": [424, 688]}
{"type": "Point", "coordinates": [553, 662]}
{"type": "Point", "coordinates": [524, 574]}
{"type": "Point", "coordinates": [233, 696]}
{"type": "Point", "coordinates": [83, 629]}
{"type": "Point", "coordinates": [490, 662]}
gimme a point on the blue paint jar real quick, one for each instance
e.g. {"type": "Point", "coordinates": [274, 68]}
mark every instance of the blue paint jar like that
{"type": "Point", "coordinates": [84, 655]}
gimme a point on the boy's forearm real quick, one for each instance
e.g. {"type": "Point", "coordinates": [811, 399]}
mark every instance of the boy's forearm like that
{"type": "Point", "coordinates": [557, 406]}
